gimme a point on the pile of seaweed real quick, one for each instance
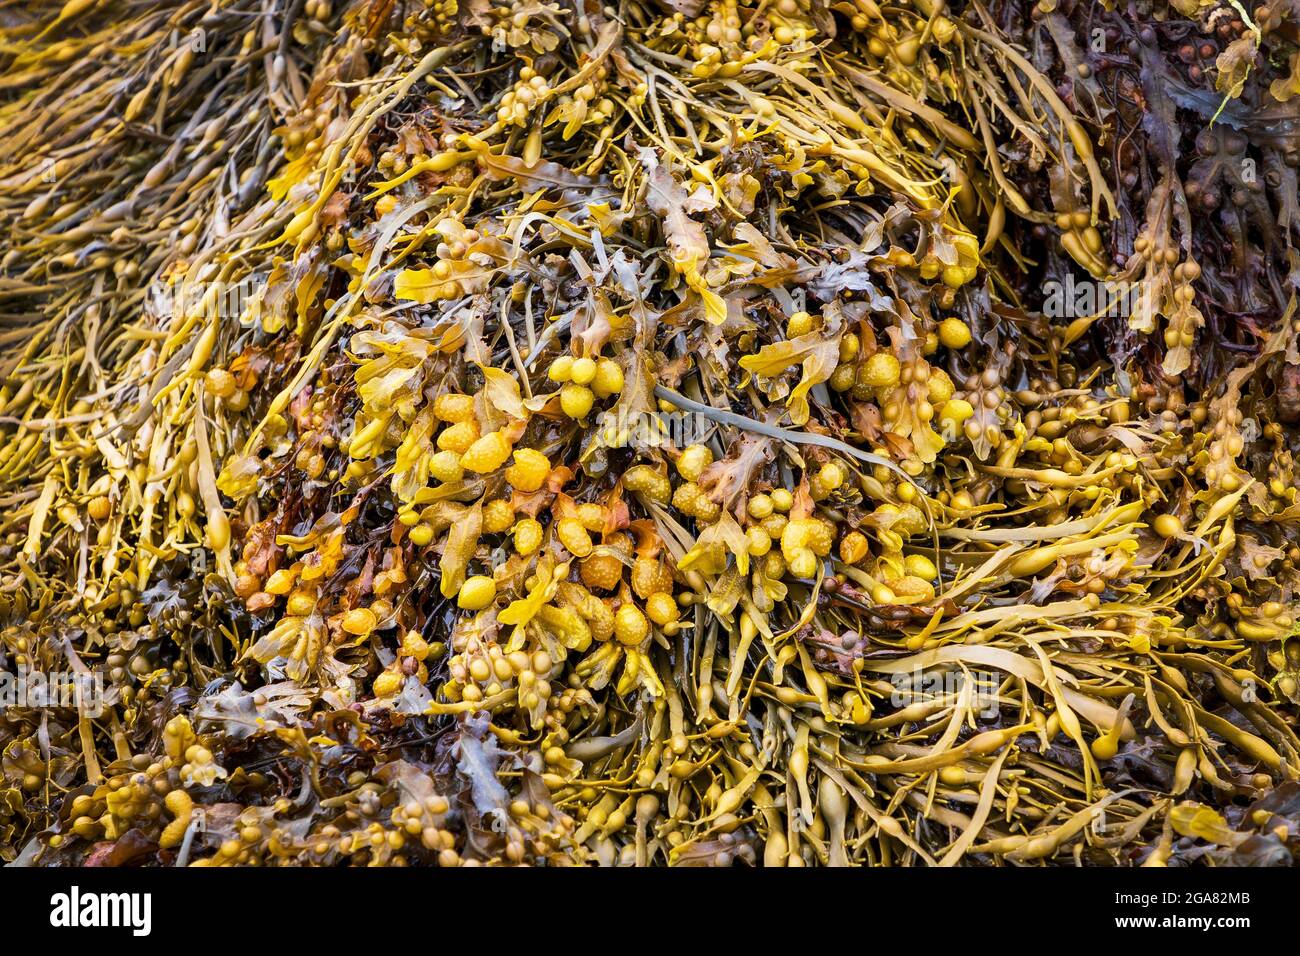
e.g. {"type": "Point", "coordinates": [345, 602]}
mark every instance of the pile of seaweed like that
{"type": "Point", "coordinates": [688, 432]}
